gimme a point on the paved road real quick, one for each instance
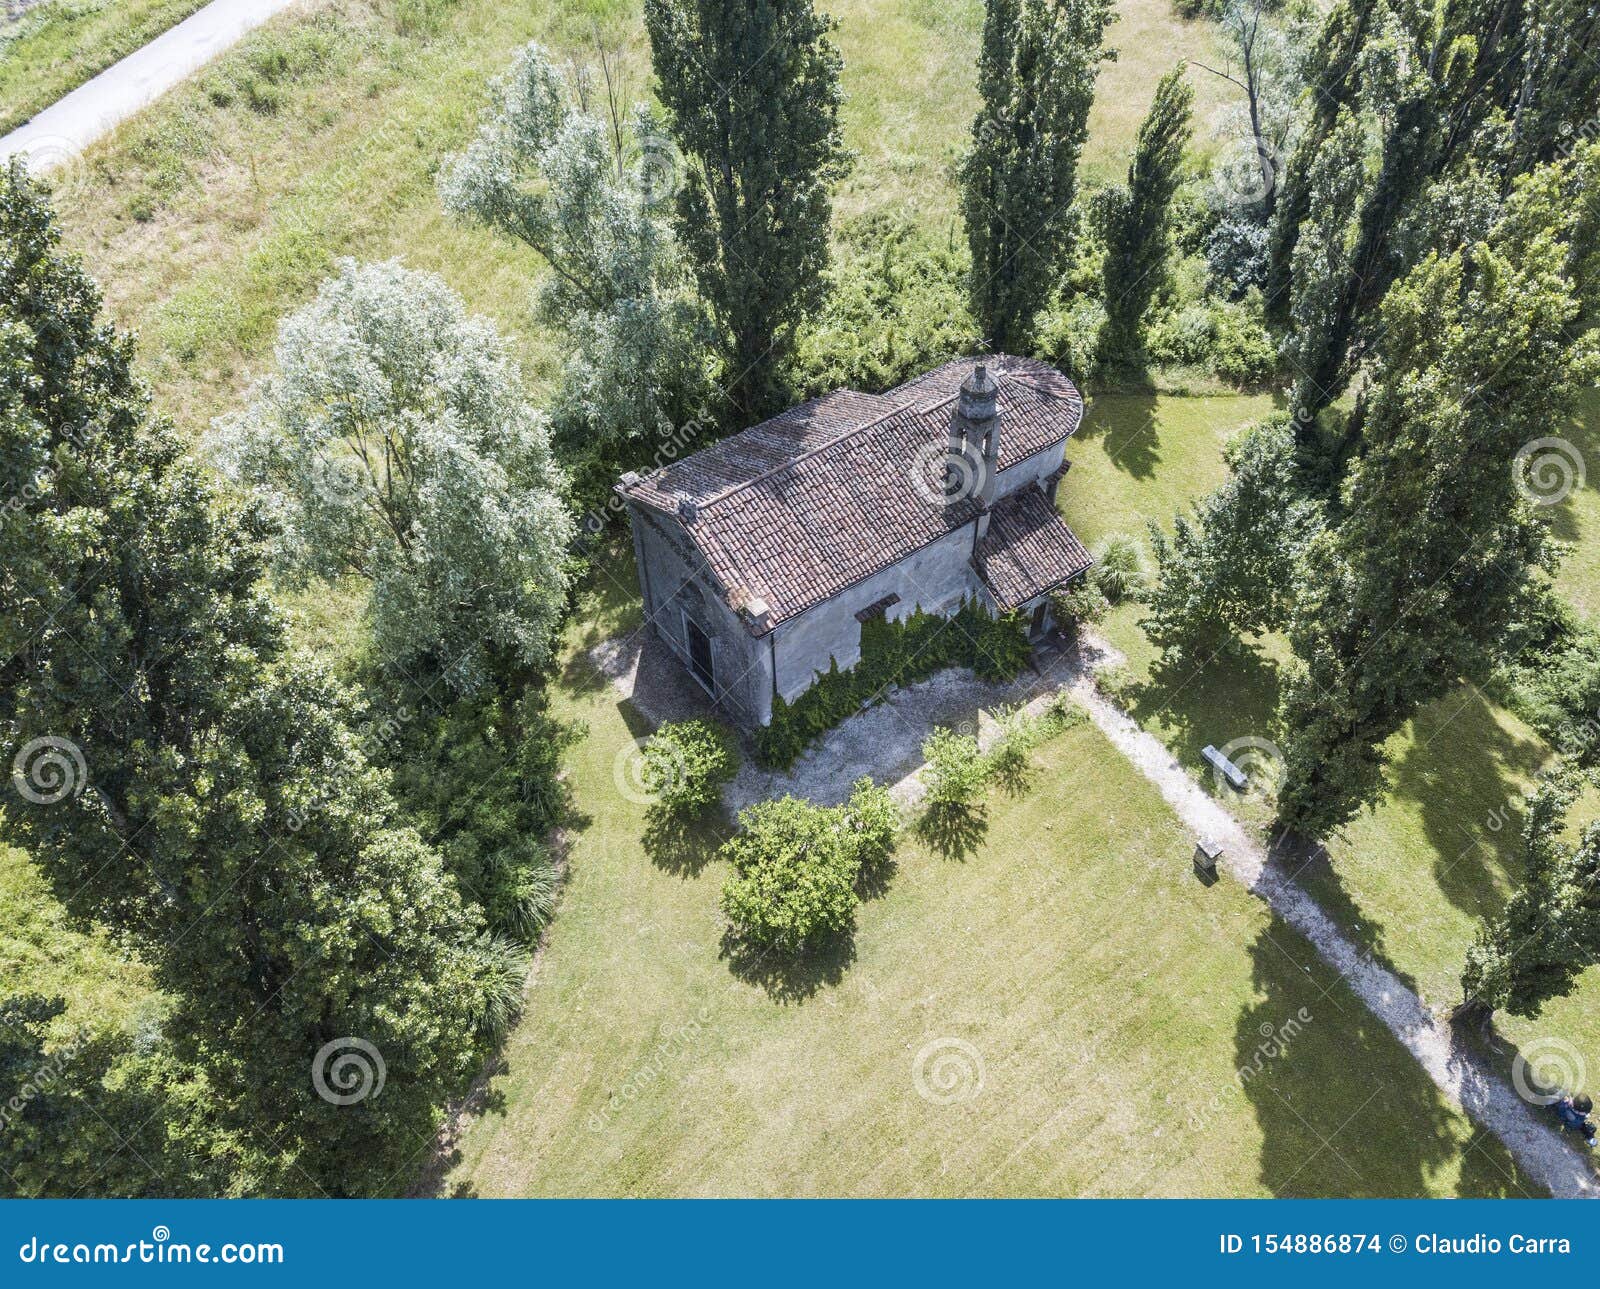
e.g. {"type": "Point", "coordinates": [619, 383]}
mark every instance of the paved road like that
{"type": "Point", "coordinates": [71, 124]}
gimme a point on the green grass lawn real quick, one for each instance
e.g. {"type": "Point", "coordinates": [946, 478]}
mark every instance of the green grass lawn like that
{"type": "Point", "coordinates": [56, 46]}
{"type": "Point", "coordinates": [1109, 999]}
{"type": "Point", "coordinates": [41, 952]}
{"type": "Point", "coordinates": [1411, 879]}
{"type": "Point", "coordinates": [1142, 457]}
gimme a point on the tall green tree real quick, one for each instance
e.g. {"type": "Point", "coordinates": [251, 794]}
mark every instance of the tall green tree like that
{"type": "Point", "coordinates": [1322, 256]}
{"type": "Point", "coordinates": [1416, 585]}
{"type": "Point", "coordinates": [182, 778]}
{"type": "Point", "coordinates": [1549, 931]}
{"type": "Point", "coordinates": [1036, 74]}
{"type": "Point", "coordinates": [751, 89]}
{"type": "Point", "coordinates": [1138, 223]}
{"type": "Point", "coordinates": [1332, 73]}
{"type": "Point", "coordinates": [1472, 87]}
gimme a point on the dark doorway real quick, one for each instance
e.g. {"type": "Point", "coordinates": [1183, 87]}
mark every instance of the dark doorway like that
{"type": "Point", "coordinates": [1041, 613]}
{"type": "Point", "coordinates": [699, 654]}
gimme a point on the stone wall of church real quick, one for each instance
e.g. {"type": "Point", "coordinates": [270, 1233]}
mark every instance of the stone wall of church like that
{"type": "Point", "coordinates": [677, 587]}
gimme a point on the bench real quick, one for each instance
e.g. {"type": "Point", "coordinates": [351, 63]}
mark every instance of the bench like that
{"type": "Point", "coordinates": [1232, 773]}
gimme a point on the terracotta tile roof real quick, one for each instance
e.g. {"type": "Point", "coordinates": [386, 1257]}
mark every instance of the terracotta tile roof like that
{"type": "Point", "coordinates": [1028, 549]}
{"type": "Point", "coordinates": [794, 510]}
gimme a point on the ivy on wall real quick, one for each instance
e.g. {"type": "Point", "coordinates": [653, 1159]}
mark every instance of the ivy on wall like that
{"type": "Point", "coordinates": [894, 654]}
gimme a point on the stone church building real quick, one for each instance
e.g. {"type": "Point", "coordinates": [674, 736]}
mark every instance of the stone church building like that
{"type": "Point", "coordinates": [761, 556]}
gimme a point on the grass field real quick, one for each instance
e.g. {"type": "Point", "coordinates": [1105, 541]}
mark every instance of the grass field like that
{"type": "Point", "coordinates": [1108, 999]}
{"type": "Point", "coordinates": [54, 47]}
{"type": "Point", "coordinates": [42, 953]}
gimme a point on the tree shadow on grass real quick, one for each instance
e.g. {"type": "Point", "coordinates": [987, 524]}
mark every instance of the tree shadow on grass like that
{"type": "Point", "coordinates": [789, 977]}
{"type": "Point", "coordinates": [1229, 696]}
{"type": "Point", "coordinates": [683, 847]}
{"type": "Point", "coordinates": [1129, 429]}
{"type": "Point", "coordinates": [954, 832]}
{"type": "Point", "coordinates": [483, 1097]}
{"type": "Point", "coordinates": [1466, 773]}
{"type": "Point", "coordinates": [1343, 1108]}
{"type": "Point", "coordinates": [1015, 774]}
{"type": "Point", "coordinates": [1308, 864]}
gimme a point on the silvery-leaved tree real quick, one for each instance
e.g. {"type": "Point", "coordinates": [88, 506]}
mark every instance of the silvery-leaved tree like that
{"type": "Point", "coordinates": [591, 200]}
{"type": "Point", "coordinates": [395, 442]}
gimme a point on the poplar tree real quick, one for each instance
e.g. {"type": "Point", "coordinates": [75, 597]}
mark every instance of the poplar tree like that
{"type": "Point", "coordinates": [751, 89]}
{"type": "Point", "coordinates": [1485, 88]}
{"type": "Point", "coordinates": [1138, 238]}
{"type": "Point", "coordinates": [1036, 74]}
{"type": "Point", "coordinates": [1417, 584]}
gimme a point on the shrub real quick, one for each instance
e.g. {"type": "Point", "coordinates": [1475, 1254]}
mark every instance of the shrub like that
{"type": "Point", "coordinates": [686, 763]}
{"type": "Point", "coordinates": [794, 874]}
{"type": "Point", "coordinates": [1236, 255]}
{"type": "Point", "coordinates": [1226, 338]}
{"type": "Point", "coordinates": [1080, 604]}
{"type": "Point", "coordinates": [1117, 682]}
{"type": "Point", "coordinates": [872, 819]}
{"type": "Point", "coordinates": [1001, 648]}
{"type": "Point", "coordinates": [898, 306]}
{"type": "Point", "coordinates": [480, 782]}
{"type": "Point", "coordinates": [955, 770]}
{"type": "Point", "coordinates": [1069, 337]}
{"type": "Point", "coordinates": [1007, 758]}
{"type": "Point", "coordinates": [1119, 571]}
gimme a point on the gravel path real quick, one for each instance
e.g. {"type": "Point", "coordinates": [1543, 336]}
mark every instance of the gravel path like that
{"type": "Point", "coordinates": [885, 741]}
{"type": "Point", "coordinates": [1541, 1151]}
{"type": "Point", "coordinates": [73, 122]}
